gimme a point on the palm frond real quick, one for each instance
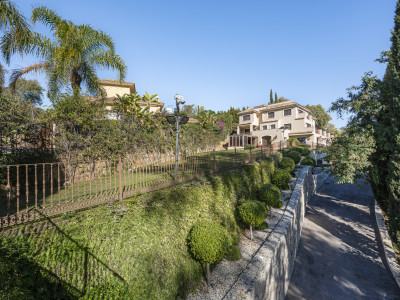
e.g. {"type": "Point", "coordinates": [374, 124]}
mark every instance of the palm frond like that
{"type": "Point", "coordinates": [18, 73]}
{"type": "Point", "coordinates": [46, 16]}
{"type": "Point", "coordinates": [108, 59]}
{"type": "Point", "coordinates": [10, 16]}
{"type": "Point", "coordinates": [95, 39]}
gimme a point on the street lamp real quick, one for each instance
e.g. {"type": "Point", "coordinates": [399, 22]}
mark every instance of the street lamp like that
{"type": "Point", "coordinates": [176, 120]}
{"type": "Point", "coordinates": [283, 137]}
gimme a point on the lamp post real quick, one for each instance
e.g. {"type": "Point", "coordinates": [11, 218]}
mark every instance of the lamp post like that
{"type": "Point", "coordinates": [283, 137]}
{"type": "Point", "coordinates": [176, 120]}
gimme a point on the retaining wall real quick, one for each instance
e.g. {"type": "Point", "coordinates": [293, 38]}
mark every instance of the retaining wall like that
{"type": "Point", "coordinates": [268, 274]}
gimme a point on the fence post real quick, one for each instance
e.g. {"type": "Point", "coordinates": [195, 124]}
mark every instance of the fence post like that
{"type": "Point", "coordinates": [235, 155]}
{"type": "Point", "coordinates": [120, 177]}
{"type": "Point", "coordinates": [183, 165]}
{"type": "Point", "coordinates": [261, 152]}
{"type": "Point", "coordinates": [214, 163]}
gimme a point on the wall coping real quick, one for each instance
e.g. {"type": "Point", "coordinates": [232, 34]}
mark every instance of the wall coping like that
{"type": "Point", "coordinates": [387, 244]}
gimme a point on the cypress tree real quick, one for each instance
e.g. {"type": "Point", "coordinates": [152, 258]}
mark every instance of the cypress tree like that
{"type": "Point", "coordinates": [388, 130]}
{"type": "Point", "coordinates": [276, 98]}
{"type": "Point", "coordinates": [271, 99]}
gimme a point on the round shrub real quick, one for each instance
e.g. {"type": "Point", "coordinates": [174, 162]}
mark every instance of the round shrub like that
{"type": "Point", "coordinates": [287, 164]}
{"type": "Point", "coordinates": [296, 156]}
{"type": "Point", "coordinates": [208, 241]}
{"type": "Point", "coordinates": [304, 151]}
{"type": "Point", "coordinates": [281, 178]}
{"type": "Point", "coordinates": [308, 161]}
{"type": "Point", "coordinates": [270, 195]}
{"type": "Point", "coordinates": [253, 213]}
{"type": "Point", "coordinates": [233, 253]}
{"type": "Point", "coordinates": [277, 157]}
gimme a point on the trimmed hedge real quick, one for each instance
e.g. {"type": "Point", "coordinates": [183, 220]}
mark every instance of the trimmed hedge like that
{"type": "Point", "coordinates": [287, 164]}
{"type": "Point", "coordinates": [308, 161]}
{"type": "Point", "coordinates": [270, 195]}
{"type": "Point", "coordinates": [304, 151]}
{"type": "Point", "coordinates": [296, 156]}
{"type": "Point", "coordinates": [281, 178]}
{"type": "Point", "coordinates": [253, 213]}
{"type": "Point", "coordinates": [208, 241]}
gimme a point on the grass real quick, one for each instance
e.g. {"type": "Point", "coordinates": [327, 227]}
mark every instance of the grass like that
{"type": "Point", "coordinates": [135, 249]}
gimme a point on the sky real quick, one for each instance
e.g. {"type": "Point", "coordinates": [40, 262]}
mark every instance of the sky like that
{"type": "Point", "coordinates": [223, 53]}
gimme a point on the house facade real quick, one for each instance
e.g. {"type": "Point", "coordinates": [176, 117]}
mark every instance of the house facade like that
{"type": "Point", "coordinates": [272, 126]}
{"type": "Point", "coordinates": [112, 88]}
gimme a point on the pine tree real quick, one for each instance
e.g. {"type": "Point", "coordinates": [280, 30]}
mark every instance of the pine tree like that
{"type": "Point", "coordinates": [271, 99]}
{"type": "Point", "coordinates": [276, 98]}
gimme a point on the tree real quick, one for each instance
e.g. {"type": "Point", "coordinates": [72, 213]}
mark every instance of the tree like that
{"type": "Point", "coordinates": [321, 116]}
{"type": "Point", "coordinates": [72, 57]}
{"type": "Point", "coordinates": [388, 142]}
{"type": "Point", "coordinates": [271, 98]}
{"type": "Point", "coordinates": [27, 90]}
{"type": "Point", "coordinates": [16, 33]}
{"type": "Point", "coordinates": [281, 99]}
{"type": "Point", "coordinates": [276, 98]}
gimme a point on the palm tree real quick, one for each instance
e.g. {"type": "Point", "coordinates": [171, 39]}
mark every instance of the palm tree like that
{"type": "Point", "coordinates": [16, 33]}
{"type": "Point", "coordinates": [73, 56]}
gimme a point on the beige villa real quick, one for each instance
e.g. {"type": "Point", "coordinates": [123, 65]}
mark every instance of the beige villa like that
{"type": "Point", "coordinates": [272, 125]}
{"type": "Point", "coordinates": [114, 87]}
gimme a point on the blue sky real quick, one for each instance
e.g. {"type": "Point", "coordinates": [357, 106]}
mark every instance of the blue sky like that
{"type": "Point", "coordinates": [224, 53]}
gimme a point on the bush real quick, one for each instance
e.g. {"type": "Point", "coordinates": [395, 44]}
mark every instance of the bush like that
{"type": "Point", "coordinates": [270, 195]}
{"type": "Point", "coordinates": [277, 157]}
{"type": "Point", "coordinates": [302, 150]}
{"type": "Point", "coordinates": [281, 178]}
{"type": "Point", "coordinates": [249, 146]}
{"type": "Point", "coordinates": [233, 253]}
{"type": "Point", "coordinates": [253, 213]}
{"type": "Point", "coordinates": [287, 164]}
{"type": "Point", "coordinates": [308, 161]}
{"type": "Point", "coordinates": [208, 241]}
{"type": "Point", "coordinates": [296, 156]}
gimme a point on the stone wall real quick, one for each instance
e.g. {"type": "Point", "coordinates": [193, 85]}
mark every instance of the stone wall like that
{"type": "Point", "coordinates": [268, 274]}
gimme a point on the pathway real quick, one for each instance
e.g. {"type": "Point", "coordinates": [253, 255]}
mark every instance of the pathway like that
{"type": "Point", "coordinates": [339, 255]}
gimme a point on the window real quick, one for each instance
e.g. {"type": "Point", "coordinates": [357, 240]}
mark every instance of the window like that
{"type": "Point", "coordinates": [308, 125]}
{"type": "Point", "coordinates": [271, 115]}
{"type": "Point", "coordinates": [300, 111]}
{"type": "Point", "coordinates": [273, 126]}
{"type": "Point", "coordinates": [287, 112]}
{"type": "Point", "coordinates": [287, 126]}
{"type": "Point", "coordinates": [265, 127]}
{"type": "Point", "coordinates": [247, 131]}
{"type": "Point", "coordinates": [246, 118]}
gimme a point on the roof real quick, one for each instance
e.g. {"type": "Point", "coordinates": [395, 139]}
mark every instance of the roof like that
{"type": "Point", "coordinates": [286, 104]}
{"type": "Point", "coordinates": [117, 82]}
{"type": "Point", "coordinates": [272, 107]}
{"type": "Point", "coordinates": [249, 110]}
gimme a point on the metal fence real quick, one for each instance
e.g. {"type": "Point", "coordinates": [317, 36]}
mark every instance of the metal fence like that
{"type": "Point", "coordinates": [31, 192]}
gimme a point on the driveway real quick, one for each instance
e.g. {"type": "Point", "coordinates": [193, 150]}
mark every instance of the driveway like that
{"type": "Point", "coordinates": [339, 255]}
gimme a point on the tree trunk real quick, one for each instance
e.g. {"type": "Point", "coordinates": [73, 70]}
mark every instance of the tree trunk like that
{"type": "Point", "coordinates": [251, 232]}
{"type": "Point", "coordinates": [75, 80]}
{"type": "Point", "coordinates": [208, 273]}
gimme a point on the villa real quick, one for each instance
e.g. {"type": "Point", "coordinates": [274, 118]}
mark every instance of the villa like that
{"type": "Point", "coordinates": [114, 87]}
{"type": "Point", "coordinates": [272, 126]}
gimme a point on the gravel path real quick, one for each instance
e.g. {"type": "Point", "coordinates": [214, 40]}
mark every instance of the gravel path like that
{"type": "Point", "coordinates": [339, 255]}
